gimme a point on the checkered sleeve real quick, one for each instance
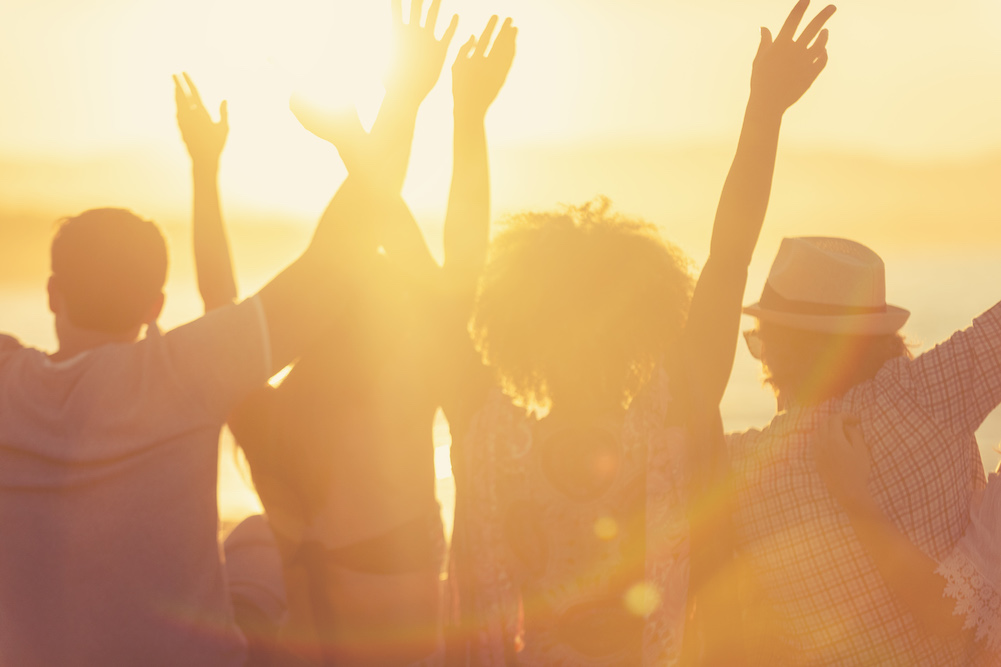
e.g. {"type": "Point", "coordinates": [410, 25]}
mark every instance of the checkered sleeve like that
{"type": "Point", "coordinates": [959, 381]}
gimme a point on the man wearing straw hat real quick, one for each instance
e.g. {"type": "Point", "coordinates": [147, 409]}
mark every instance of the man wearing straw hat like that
{"type": "Point", "coordinates": [828, 341]}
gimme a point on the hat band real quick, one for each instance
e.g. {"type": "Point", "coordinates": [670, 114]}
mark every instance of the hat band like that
{"type": "Point", "coordinates": [772, 300]}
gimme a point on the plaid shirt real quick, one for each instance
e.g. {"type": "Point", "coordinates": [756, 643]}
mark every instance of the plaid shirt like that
{"type": "Point", "coordinates": [815, 596]}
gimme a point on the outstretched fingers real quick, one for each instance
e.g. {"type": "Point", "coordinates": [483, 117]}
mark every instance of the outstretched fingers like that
{"type": "Point", "coordinates": [792, 22]}
{"type": "Point", "coordinates": [820, 45]}
{"type": "Point", "coordinates": [484, 41]}
{"type": "Point", "coordinates": [432, 17]}
{"type": "Point", "coordinates": [503, 47]}
{"type": "Point", "coordinates": [466, 49]}
{"type": "Point", "coordinates": [446, 39]}
{"type": "Point", "coordinates": [396, 9]}
{"type": "Point", "coordinates": [224, 114]}
{"type": "Point", "coordinates": [814, 27]}
{"type": "Point", "coordinates": [818, 65]}
{"type": "Point", "coordinates": [196, 99]}
{"type": "Point", "coordinates": [180, 96]}
{"type": "Point", "coordinates": [415, 12]}
{"type": "Point", "coordinates": [818, 54]}
{"type": "Point", "coordinates": [507, 32]}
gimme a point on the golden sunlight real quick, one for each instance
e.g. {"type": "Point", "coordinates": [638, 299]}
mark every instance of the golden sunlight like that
{"type": "Point", "coordinates": [624, 487]}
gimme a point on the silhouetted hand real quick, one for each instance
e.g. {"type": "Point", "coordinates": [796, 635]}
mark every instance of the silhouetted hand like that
{"type": "Point", "coordinates": [477, 76]}
{"type": "Point", "coordinates": [785, 68]}
{"type": "Point", "coordinates": [418, 57]}
{"type": "Point", "coordinates": [843, 459]}
{"type": "Point", "coordinates": [203, 137]}
{"type": "Point", "coordinates": [341, 127]}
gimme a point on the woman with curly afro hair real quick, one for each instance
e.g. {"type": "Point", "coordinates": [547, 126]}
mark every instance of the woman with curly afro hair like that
{"type": "Point", "coordinates": [587, 447]}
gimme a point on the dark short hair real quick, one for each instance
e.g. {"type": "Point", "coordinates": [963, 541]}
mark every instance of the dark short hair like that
{"type": "Point", "coordinates": [110, 266]}
{"type": "Point", "coordinates": [808, 367]}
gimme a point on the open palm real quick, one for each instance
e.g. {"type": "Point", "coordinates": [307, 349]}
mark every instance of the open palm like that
{"type": "Point", "coordinates": [204, 137]}
{"type": "Point", "coordinates": [418, 56]}
{"type": "Point", "coordinates": [785, 68]}
{"type": "Point", "coordinates": [477, 76]}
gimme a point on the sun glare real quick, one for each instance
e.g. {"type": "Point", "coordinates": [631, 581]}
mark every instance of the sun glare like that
{"type": "Point", "coordinates": [330, 55]}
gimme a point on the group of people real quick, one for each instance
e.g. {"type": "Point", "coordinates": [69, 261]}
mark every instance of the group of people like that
{"type": "Point", "coordinates": [602, 516]}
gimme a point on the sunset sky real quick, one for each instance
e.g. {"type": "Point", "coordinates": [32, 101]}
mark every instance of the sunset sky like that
{"type": "Point", "coordinates": [898, 142]}
{"type": "Point", "coordinates": [915, 78]}
{"type": "Point", "coordinates": [87, 79]}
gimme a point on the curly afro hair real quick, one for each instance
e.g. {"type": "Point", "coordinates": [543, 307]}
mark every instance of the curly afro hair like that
{"type": "Point", "coordinates": [579, 303]}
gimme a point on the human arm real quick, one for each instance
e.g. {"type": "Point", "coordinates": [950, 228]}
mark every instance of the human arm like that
{"type": "Point", "coordinates": [844, 463]}
{"type": "Point", "coordinates": [316, 290]}
{"type": "Point", "coordinates": [223, 356]}
{"type": "Point", "coordinates": [477, 77]}
{"type": "Point", "coordinates": [418, 58]}
{"type": "Point", "coordinates": [958, 382]}
{"type": "Point", "coordinates": [415, 69]}
{"type": "Point", "coordinates": [204, 140]}
{"type": "Point", "coordinates": [783, 70]}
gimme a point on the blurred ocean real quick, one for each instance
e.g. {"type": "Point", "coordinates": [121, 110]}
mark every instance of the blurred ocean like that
{"type": "Point", "coordinates": [943, 291]}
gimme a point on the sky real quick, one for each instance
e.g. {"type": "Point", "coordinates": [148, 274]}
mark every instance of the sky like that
{"type": "Point", "coordinates": [914, 79]}
{"type": "Point", "coordinates": [86, 84]}
{"type": "Point", "coordinates": [642, 100]}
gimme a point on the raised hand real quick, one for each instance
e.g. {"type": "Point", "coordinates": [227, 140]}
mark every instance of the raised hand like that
{"type": "Point", "coordinates": [477, 76]}
{"type": "Point", "coordinates": [203, 137]}
{"type": "Point", "coordinates": [843, 459]}
{"type": "Point", "coordinates": [341, 127]}
{"type": "Point", "coordinates": [785, 68]}
{"type": "Point", "coordinates": [418, 55]}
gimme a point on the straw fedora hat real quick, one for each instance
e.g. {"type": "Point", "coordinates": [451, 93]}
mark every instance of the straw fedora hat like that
{"type": "Point", "coordinates": [828, 285]}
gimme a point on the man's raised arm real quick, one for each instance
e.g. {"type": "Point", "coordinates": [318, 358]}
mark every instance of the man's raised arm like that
{"type": "Point", "coordinates": [204, 140]}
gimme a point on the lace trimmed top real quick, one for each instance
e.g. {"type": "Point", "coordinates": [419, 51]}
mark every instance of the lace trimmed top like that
{"type": "Point", "coordinates": [973, 571]}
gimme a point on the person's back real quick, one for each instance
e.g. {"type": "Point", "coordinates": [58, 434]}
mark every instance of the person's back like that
{"type": "Point", "coordinates": [829, 342]}
{"type": "Point", "coordinates": [355, 414]}
{"type": "Point", "coordinates": [366, 399]}
{"type": "Point", "coordinates": [107, 499]}
{"type": "Point", "coordinates": [109, 446]}
{"type": "Point", "coordinates": [818, 597]}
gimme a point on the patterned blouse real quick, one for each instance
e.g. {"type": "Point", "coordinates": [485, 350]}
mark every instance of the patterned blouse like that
{"type": "Point", "coordinates": [572, 550]}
